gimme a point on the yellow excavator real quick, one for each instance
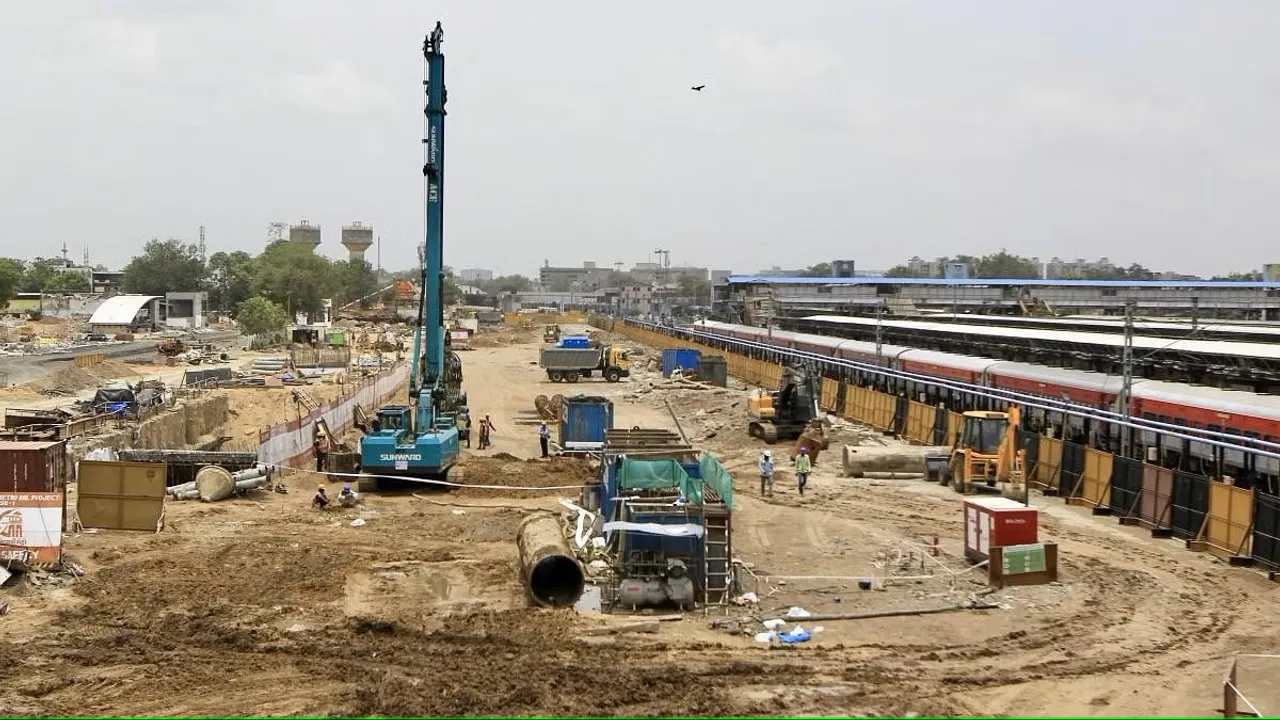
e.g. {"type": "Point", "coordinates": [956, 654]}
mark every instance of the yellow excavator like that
{"type": "Point", "coordinates": [985, 452]}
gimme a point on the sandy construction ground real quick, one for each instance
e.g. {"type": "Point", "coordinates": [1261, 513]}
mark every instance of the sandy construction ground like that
{"type": "Point", "coordinates": [263, 606]}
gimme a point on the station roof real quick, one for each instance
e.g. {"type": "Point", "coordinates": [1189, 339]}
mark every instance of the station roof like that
{"type": "Point", "coordinates": [120, 309]}
{"type": "Point", "coordinates": [1260, 351]}
{"type": "Point", "coordinates": [1001, 282]}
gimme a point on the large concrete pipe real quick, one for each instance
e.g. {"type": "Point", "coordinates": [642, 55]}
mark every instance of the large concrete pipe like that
{"type": "Point", "coordinates": [860, 459]}
{"type": "Point", "coordinates": [547, 566]}
{"type": "Point", "coordinates": [214, 483]}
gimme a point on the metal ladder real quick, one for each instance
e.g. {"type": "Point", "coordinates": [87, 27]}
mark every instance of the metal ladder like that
{"type": "Point", "coordinates": [717, 559]}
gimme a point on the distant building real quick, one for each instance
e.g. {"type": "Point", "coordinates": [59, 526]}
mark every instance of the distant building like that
{"type": "Point", "coordinates": [843, 268]}
{"type": "Point", "coordinates": [473, 275]}
{"type": "Point", "coordinates": [1059, 269]}
{"type": "Point", "coordinates": [185, 310]}
{"type": "Point", "coordinates": [560, 279]}
{"type": "Point", "coordinates": [720, 277]}
{"type": "Point", "coordinates": [1271, 272]}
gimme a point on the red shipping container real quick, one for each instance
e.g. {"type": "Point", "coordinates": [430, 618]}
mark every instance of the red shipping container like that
{"type": "Point", "coordinates": [38, 467]}
{"type": "Point", "coordinates": [997, 522]}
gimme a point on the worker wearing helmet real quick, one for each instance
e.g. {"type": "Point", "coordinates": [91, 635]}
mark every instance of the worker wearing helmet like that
{"type": "Point", "coordinates": [803, 467]}
{"type": "Point", "coordinates": [766, 473]}
{"type": "Point", "coordinates": [321, 448]}
{"type": "Point", "coordinates": [347, 497]}
{"type": "Point", "coordinates": [320, 500]}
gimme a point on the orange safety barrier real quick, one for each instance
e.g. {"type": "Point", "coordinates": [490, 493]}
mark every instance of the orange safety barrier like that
{"type": "Point", "coordinates": [1229, 520]}
{"type": "Point", "coordinates": [830, 392]}
{"type": "Point", "coordinates": [1095, 481]}
{"type": "Point", "coordinates": [920, 418]}
{"type": "Point", "coordinates": [1048, 463]}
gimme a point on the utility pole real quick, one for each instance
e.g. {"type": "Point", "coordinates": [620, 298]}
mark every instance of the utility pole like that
{"type": "Point", "coordinates": [1126, 387]}
{"type": "Point", "coordinates": [202, 248]}
{"type": "Point", "coordinates": [879, 330]}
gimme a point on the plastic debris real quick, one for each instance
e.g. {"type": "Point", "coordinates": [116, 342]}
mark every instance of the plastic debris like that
{"type": "Point", "coordinates": [774, 623]}
{"type": "Point", "coordinates": [357, 522]}
{"type": "Point", "coordinates": [796, 635]}
{"type": "Point", "coordinates": [766, 636]}
{"type": "Point", "coordinates": [797, 611]}
{"type": "Point", "coordinates": [746, 599]}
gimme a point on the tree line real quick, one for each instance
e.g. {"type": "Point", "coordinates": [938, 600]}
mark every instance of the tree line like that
{"type": "Point", "coordinates": [1007, 266]}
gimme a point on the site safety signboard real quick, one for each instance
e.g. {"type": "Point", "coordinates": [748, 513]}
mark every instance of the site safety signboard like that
{"type": "Point", "coordinates": [31, 527]}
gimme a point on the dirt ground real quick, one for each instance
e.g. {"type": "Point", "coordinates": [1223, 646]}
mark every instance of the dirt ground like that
{"type": "Point", "coordinates": [263, 606]}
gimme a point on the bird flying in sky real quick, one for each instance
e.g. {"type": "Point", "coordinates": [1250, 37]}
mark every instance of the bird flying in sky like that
{"type": "Point", "coordinates": [698, 87]}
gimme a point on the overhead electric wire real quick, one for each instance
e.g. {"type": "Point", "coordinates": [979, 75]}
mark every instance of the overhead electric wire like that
{"type": "Point", "coordinates": [1002, 395]}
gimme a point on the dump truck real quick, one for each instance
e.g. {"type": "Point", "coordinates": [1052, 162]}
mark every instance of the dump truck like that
{"type": "Point", "coordinates": [567, 364]}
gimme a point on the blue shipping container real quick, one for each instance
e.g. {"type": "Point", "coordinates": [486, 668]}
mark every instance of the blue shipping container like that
{"type": "Point", "coordinates": [583, 422]}
{"type": "Point", "coordinates": [686, 358]}
{"type": "Point", "coordinates": [575, 341]}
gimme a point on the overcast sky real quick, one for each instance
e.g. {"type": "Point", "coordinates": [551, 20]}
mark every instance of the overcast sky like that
{"type": "Point", "coordinates": [871, 130]}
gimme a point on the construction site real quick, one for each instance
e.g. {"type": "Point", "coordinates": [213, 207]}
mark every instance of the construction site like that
{"type": "Point", "coordinates": [429, 509]}
{"type": "Point", "coordinates": [853, 598]}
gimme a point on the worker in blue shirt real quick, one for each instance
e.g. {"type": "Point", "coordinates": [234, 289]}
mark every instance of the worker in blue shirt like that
{"type": "Point", "coordinates": [766, 472]}
{"type": "Point", "coordinates": [544, 438]}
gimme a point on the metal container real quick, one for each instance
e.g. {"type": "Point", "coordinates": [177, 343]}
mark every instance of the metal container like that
{"type": "Point", "coordinates": [574, 341]}
{"type": "Point", "coordinates": [584, 420]}
{"type": "Point", "coordinates": [32, 466]}
{"type": "Point", "coordinates": [997, 522]}
{"type": "Point", "coordinates": [555, 358]}
{"type": "Point", "coordinates": [713, 369]}
{"type": "Point", "coordinates": [685, 358]}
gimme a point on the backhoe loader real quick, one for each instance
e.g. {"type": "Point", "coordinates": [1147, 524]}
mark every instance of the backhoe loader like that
{"type": "Point", "coordinates": [985, 453]}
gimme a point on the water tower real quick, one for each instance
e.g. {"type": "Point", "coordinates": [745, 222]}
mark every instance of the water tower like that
{"type": "Point", "coordinates": [357, 238]}
{"type": "Point", "coordinates": [305, 233]}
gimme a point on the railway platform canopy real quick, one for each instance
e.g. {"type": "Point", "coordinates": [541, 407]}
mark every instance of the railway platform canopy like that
{"type": "Point", "coordinates": [1253, 366]}
{"type": "Point", "coordinates": [748, 297]}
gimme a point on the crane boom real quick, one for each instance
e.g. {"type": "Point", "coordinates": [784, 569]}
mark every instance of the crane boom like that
{"type": "Point", "coordinates": [419, 441]}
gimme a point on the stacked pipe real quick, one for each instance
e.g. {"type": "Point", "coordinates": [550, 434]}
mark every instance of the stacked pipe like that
{"type": "Point", "coordinates": [214, 483]}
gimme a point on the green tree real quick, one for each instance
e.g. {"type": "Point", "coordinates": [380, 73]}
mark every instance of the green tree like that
{"type": "Point", "coordinates": [819, 270]}
{"type": "Point", "coordinates": [260, 316]}
{"type": "Point", "coordinates": [1004, 266]}
{"type": "Point", "coordinates": [11, 272]}
{"type": "Point", "coordinates": [294, 276]}
{"type": "Point", "coordinates": [695, 288]}
{"type": "Point", "coordinates": [165, 266]}
{"type": "Point", "coordinates": [1254, 276]}
{"type": "Point", "coordinates": [903, 271]}
{"type": "Point", "coordinates": [39, 273]}
{"type": "Point", "coordinates": [451, 293]}
{"type": "Point", "coordinates": [231, 279]}
{"type": "Point", "coordinates": [357, 280]}
{"type": "Point", "coordinates": [68, 281]}
{"type": "Point", "coordinates": [507, 283]}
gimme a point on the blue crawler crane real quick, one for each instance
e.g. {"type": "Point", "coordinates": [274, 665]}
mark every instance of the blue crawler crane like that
{"type": "Point", "coordinates": [419, 441]}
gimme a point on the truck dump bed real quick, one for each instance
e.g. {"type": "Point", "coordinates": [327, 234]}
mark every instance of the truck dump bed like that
{"type": "Point", "coordinates": [558, 358]}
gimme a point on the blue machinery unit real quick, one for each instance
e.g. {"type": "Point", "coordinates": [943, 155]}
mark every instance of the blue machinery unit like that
{"type": "Point", "coordinates": [419, 441]}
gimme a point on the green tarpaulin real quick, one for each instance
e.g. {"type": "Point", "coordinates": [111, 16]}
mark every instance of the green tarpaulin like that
{"type": "Point", "coordinates": [641, 474]}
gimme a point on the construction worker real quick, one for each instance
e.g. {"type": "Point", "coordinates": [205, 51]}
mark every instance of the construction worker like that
{"type": "Point", "coordinates": [544, 438]}
{"type": "Point", "coordinates": [320, 500]}
{"type": "Point", "coordinates": [347, 497]}
{"type": "Point", "coordinates": [766, 472]}
{"type": "Point", "coordinates": [803, 467]}
{"type": "Point", "coordinates": [464, 426]}
{"type": "Point", "coordinates": [321, 448]}
{"type": "Point", "coordinates": [486, 427]}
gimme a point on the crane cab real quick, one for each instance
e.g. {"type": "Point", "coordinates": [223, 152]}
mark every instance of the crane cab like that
{"type": "Point", "coordinates": [391, 420]}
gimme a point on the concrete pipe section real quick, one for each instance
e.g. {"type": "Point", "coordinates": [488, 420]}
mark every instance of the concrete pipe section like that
{"type": "Point", "coordinates": [548, 568]}
{"type": "Point", "coordinates": [860, 459]}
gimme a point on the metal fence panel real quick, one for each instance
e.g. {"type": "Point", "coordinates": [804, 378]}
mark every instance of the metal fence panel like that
{"type": "Point", "coordinates": [1266, 529]}
{"type": "Point", "coordinates": [1126, 486]}
{"type": "Point", "coordinates": [1190, 504]}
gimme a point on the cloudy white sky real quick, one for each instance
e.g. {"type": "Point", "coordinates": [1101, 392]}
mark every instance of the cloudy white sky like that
{"type": "Point", "coordinates": [872, 130]}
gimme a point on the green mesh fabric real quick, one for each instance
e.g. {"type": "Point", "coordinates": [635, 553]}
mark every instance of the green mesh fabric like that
{"type": "Point", "coordinates": [714, 474]}
{"type": "Point", "coordinates": [640, 474]}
